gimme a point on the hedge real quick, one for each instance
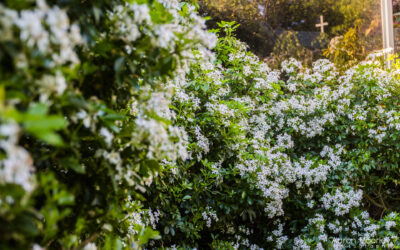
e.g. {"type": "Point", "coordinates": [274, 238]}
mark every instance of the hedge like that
{"type": "Point", "coordinates": [128, 125]}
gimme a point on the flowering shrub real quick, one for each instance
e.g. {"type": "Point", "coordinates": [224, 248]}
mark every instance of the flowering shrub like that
{"type": "Point", "coordinates": [85, 118]}
{"type": "Point", "coordinates": [120, 129]}
{"type": "Point", "coordinates": [297, 158]}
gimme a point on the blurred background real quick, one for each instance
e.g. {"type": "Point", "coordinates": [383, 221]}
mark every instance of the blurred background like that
{"type": "Point", "coordinates": [278, 29]}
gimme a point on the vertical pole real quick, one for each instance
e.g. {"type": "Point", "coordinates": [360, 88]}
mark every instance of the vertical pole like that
{"type": "Point", "coordinates": [387, 26]}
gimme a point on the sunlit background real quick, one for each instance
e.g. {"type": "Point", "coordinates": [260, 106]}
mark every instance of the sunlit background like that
{"type": "Point", "coordinates": [279, 29]}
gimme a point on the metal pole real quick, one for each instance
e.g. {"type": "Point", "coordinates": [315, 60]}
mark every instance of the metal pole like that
{"type": "Point", "coordinates": [387, 27]}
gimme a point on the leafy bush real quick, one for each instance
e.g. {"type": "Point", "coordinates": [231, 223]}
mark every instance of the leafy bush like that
{"type": "Point", "coordinates": [120, 129]}
{"type": "Point", "coordinates": [83, 88]}
{"type": "Point", "coordinates": [346, 51]}
{"type": "Point", "coordinates": [261, 21]}
{"type": "Point", "coordinates": [288, 45]}
{"type": "Point", "coordinates": [297, 158]}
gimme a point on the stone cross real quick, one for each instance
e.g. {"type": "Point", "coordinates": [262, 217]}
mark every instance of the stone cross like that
{"type": "Point", "coordinates": [322, 24]}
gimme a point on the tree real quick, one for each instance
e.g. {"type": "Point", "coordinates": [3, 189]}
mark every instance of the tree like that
{"type": "Point", "coordinates": [259, 19]}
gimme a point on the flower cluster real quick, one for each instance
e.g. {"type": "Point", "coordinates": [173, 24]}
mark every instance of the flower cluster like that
{"type": "Point", "coordinates": [342, 202]}
{"type": "Point", "coordinates": [141, 128]}
{"type": "Point", "coordinates": [86, 115]}
{"type": "Point", "coordinates": [48, 30]}
{"type": "Point", "coordinates": [300, 140]}
{"type": "Point", "coordinates": [208, 216]}
{"type": "Point", "coordinates": [17, 165]}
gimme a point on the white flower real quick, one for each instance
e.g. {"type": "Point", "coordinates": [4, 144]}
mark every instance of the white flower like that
{"type": "Point", "coordinates": [32, 30]}
{"type": "Point", "coordinates": [337, 244]}
{"type": "Point", "coordinates": [323, 238]}
{"type": "Point", "coordinates": [57, 41]}
{"type": "Point", "coordinates": [202, 141]}
{"type": "Point", "coordinates": [61, 83]}
{"type": "Point", "coordinates": [165, 36]}
{"type": "Point", "coordinates": [208, 216]}
{"type": "Point", "coordinates": [389, 224]}
{"type": "Point", "coordinates": [157, 136]}
{"type": "Point", "coordinates": [17, 166]}
{"type": "Point", "coordinates": [108, 137]}
{"type": "Point", "coordinates": [342, 202]}
{"type": "Point", "coordinates": [83, 115]}
{"type": "Point", "coordinates": [323, 66]}
{"type": "Point", "coordinates": [247, 70]}
{"type": "Point", "coordinates": [37, 247]}
{"type": "Point", "coordinates": [90, 246]}
{"type": "Point", "coordinates": [141, 12]}
{"type": "Point", "coordinates": [291, 65]}
{"type": "Point", "coordinates": [153, 217]}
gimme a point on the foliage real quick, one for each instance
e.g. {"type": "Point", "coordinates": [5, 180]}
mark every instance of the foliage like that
{"type": "Point", "coordinates": [262, 21]}
{"type": "Point", "coordinates": [120, 129]}
{"type": "Point", "coordinates": [347, 50]}
{"type": "Point", "coordinates": [299, 15]}
{"type": "Point", "coordinates": [288, 45]}
{"type": "Point", "coordinates": [298, 158]}
{"type": "Point", "coordinates": [83, 86]}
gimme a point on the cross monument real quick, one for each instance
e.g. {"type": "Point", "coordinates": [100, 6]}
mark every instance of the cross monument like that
{"type": "Point", "coordinates": [322, 24]}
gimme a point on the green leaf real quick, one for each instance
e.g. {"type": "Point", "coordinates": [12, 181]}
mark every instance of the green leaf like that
{"type": "Point", "coordinates": [73, 164]}
{"type": "Point", "coordinates": [148, 234]}
{"type": "Point", "coordinates": [187, 197]}
{"type": "Point", "coordinates": [44, 123]}
{"type": "Point", "coordinates": [51, 138]}
{"type": "Point", "coordinates": [65, 198]}
{"type": "Point", "coordinates": [119, 63]}
{"type": "Point", "coordinates": [38, 109]}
